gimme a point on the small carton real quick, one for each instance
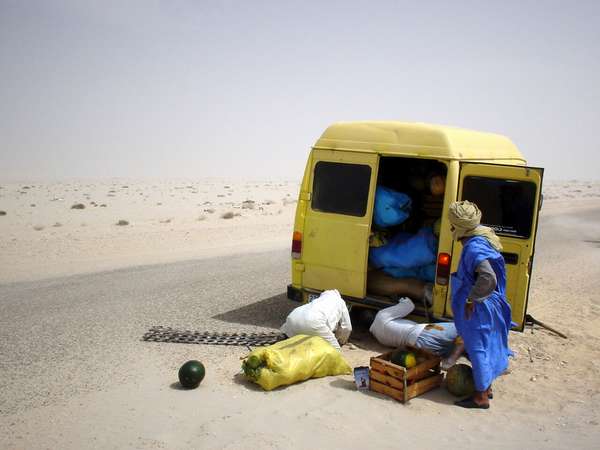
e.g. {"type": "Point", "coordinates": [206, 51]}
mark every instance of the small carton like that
{"type": "Point", "coordinates": [361, 378]}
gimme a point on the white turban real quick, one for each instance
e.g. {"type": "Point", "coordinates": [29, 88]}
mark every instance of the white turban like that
{"type": "Point", "coordinates": [465, 217]}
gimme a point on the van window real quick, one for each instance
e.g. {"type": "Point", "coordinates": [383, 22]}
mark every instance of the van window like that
{"type": "Point", "coordinates": [341, 188]}
{"type": "Point", "coordinates": [506, 205]}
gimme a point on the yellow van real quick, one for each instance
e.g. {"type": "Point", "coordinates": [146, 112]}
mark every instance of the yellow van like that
{"type": "Point", "coordinates": [334, 217]}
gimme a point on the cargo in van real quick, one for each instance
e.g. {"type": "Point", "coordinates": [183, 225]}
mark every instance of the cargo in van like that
{"type": "Point", "coordinates": [335, 230]}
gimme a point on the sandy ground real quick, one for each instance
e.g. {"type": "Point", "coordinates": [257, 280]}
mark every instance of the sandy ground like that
{"type": "Point", "coordinates": [43, 236]}
{"type": "Point", "coordinates": [549, 399]}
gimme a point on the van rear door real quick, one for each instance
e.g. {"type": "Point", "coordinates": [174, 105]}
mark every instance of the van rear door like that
{"type": "Point", "coordinates": [509, 198]}
{"type": "Point", "coordinates": [335, 246]}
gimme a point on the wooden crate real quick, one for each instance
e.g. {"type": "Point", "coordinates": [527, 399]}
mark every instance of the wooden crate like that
{"type": "Point", "coordinates": [403, 384]}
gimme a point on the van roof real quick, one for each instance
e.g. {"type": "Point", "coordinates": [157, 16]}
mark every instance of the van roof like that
{"type": "Point", "coordinates": [420, 140]}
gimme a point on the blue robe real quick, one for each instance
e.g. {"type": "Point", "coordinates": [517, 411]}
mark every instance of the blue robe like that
{"type": "Point", "coordinates": [486, 333]}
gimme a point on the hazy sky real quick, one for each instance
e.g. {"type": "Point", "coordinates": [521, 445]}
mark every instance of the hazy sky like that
{"type": "Point", "coordinates": [199, 88]}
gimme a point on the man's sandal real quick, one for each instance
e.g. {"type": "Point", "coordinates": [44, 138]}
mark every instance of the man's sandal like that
{"type": "Point", "coordinates": [470, 403]}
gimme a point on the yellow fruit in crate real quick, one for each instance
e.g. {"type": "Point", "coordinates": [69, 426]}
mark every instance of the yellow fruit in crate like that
{"type": "Point", "coordinates": [404, 359]}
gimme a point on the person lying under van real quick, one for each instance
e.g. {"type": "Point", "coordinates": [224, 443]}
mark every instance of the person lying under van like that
{"type": "Point", "coordinates": [392, 330]}
{"type": "Point", "coordinates": [326, 316]}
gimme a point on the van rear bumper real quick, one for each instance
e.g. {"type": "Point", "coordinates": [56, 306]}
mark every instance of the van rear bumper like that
{"type": "Point", "coordinates": [297, 295]}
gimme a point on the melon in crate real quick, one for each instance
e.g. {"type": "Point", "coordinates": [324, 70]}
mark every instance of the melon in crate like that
{"type": "Point", "coordinates": [404, 359]}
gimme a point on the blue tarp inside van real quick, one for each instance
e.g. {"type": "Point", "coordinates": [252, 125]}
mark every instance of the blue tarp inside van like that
{"type": "Point", "coordinates": [391, 207]}
{"type": "Point", "coordinates": [425, 273]}
{"type": "Point", "coordinates": [407, 255]}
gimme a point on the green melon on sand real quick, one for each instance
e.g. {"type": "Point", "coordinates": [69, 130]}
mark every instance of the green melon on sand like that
{"type": "Point", "coordinates": [459, 380]}
{"type": "Point", "coordinates": [404, 359]}
{"type": "Point", "coordinates": [191, 374]}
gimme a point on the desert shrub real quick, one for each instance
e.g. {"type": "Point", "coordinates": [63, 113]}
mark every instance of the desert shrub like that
{"type": "Point", "coordinates": [122, 223]}
{"type": "Point", "coordinates": [227, 215]}
{"type": "Point", "coordinates": [78, 206]}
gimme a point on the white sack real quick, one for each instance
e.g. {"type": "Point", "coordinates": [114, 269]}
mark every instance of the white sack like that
{"type": "Point", "coordinates": [323, 317]}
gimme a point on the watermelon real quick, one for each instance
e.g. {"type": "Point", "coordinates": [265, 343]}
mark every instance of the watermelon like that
{"type": "Point", "coordinates": [252, 367]}
{"type": "Point", "coordinates": [191, 374]}
{"type": "Point", "coordinates": [459, 380]}
{"type": "Point", "coordinates": [404, 359]}
{"type": "Point", "coordinates": [254, 362]}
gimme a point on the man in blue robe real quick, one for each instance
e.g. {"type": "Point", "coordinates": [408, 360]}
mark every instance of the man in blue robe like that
{"type": "Point", "coordinates": [481, 313]}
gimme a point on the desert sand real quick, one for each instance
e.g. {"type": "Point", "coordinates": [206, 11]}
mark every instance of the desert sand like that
{"type": "Point", "coordinates": [549, 398]}
{"type": "Point", "coordinates": [44, 236]}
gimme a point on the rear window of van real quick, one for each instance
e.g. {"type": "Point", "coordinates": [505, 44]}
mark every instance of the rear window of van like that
{"type": "Point", "coordinates": [507, 206]}
{"type": "Point", "coordinates": [341, 188]}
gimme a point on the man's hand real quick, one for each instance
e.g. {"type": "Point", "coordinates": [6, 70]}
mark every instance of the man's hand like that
{"type": "Point", "coordinates": [469, 308]}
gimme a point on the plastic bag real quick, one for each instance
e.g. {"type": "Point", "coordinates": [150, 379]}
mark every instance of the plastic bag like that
{"type": "Point", "coordinates": [406, 251]}
{"type": "Point", "coordinates": [391, 207]}
{"type": "Point", "coordinates": [292, 360]}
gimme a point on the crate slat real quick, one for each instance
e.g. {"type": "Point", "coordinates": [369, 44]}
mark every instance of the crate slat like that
{"type": "Point", "coordinates": [422, 370]}
{"type": "Point", "coordinates": [425, 385]}
{"type": "Point", "coordinates": [387, 380]}
{"type": "Point", "coordinates": [383, 366]}
{"type": "Point", "coordinates": [387, 390]}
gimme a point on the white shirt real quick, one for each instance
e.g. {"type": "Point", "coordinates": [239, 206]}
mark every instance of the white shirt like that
{"type": "Point", "coordinates": [321, 317]}
{"type": "Point", "coordinates": [391, 330]}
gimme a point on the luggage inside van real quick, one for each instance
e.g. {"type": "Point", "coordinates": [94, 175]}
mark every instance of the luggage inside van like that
{"type": "Point", "coordinates": [402, 258]}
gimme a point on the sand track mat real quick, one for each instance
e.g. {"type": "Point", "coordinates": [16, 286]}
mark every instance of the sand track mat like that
{"type": "Point", "coordinates": [167, 334]}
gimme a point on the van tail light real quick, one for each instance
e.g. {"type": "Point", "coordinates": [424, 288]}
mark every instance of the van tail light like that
{"type": "Point", "coordinates": [443, 269]}
{"type": "Point", "coordinates": [296, 245]}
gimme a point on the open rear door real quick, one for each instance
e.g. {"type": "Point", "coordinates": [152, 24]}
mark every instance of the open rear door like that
{"type": "Point", "coordinates": [338, 221]}
{"type": "Point", "coordinates": [509, 198]}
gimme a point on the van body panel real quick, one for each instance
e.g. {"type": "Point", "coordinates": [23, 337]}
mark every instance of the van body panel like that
{"type": "Point", "coordinates": [336, 246]}
{"type": "Point", "coordinates": [445, 240]}
{"type": "Point", "coordinates": [419, 140]}
{"type": "Point", "coordinates": [302, 205]}
{"type": "Point", "coordinates": [515, 194]}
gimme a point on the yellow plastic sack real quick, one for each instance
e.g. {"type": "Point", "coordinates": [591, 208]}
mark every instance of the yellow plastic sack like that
{"type": "Point", "coordinates": [295, 359]}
